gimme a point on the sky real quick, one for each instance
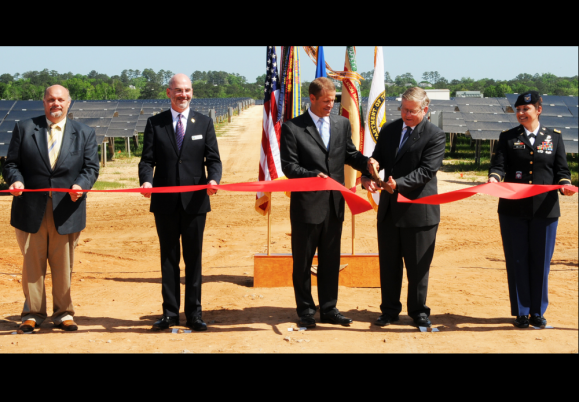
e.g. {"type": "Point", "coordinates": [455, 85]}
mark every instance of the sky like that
{"type": "Point", "coordinates": [499, 63]}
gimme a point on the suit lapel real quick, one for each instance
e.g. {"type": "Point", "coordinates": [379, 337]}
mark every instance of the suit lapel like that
{"type": "Point", "coordinates": [41, 138]}
{"type": "Point", "coordinates": [333, 132]}
{"type": "Point", "coordinates": [68, 137]}
{"type": "Point", "coordinates": [189, 131]}
{"type": "Point", "coordinates": [313, 131]}
{"type": "Point", "coordinates": [170, 130]}
{"type": "Point", "coordinates": [415, 136]}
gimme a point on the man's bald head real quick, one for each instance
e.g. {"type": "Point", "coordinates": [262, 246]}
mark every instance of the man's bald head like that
{"type": "Point", "coordinates": [179, 78]}
{"type": "Point", "coordinates": [180, 92]}
{"type": "Point", "coordinates": [57, 88]}
{"type": "Point", "coordinates": [56, 103]}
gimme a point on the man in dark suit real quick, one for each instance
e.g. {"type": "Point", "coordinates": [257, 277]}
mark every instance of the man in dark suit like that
{"type": "Point", "coordinates": [410, 150]}
{"type": "Point", "coordinates": [317, 144]}
{"type": "Point", "coordinates": [177, 145]}
{"type": "Point", "coordinates": [50, 151]}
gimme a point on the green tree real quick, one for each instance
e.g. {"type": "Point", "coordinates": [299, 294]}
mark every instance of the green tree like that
{"type": "Point", "coordinates": [6, 78]}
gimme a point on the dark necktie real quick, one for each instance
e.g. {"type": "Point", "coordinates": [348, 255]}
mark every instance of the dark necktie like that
{"type": "Point", "coordinates": [406, 136]}
{"type": "Point", "coordinates": [179, 132]}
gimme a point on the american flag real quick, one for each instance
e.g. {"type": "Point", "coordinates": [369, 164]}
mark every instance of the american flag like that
{"type": "Point", "coordinates": [269, 160]}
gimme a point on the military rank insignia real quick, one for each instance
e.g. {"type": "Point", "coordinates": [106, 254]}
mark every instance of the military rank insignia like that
{"type": "Point", "coordinates": [519, 175]}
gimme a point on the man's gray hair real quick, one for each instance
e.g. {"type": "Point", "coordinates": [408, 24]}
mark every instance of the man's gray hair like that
{"type": "Point", "coordinates": [417, 94]}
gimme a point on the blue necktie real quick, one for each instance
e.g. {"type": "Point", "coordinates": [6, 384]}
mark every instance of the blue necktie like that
{"type": "Point", "coordinates": [406, 136]}
{"type": "Point", "coordinates": [324, 132]}
{"type": "Point", "coordinates": [179, 132]}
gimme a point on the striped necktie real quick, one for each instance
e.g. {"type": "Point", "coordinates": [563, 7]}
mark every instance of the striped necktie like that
{"type": "Point", "coordinates": [179, 132]}
{"type": "Point", "coordinates": [406, 135]}
{"type": "Point", "coordinates": [53, 147]}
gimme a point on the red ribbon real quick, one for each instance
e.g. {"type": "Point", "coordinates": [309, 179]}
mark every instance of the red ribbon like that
{"type": "Point", "coordinates": [510, 191]}
{"type": "Point", "coordinates": [356, 203]}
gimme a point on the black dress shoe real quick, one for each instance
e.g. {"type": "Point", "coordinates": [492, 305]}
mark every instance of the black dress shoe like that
{"type": "Point", "coordinates": [538, 321]}
{"type": "Point", "coordinates": [307, 321]}
{"type": "Point", "coordinates": [196, 324]}
{"type": "Point", "coordinates": [165, 322]}
{"type": "Point", "coordinates": [335, 318]}
{"type": "Point", "coordinates": [422, 322]}
{"type": "Point", "coordinates": [385, 319]}
{"type": "Point", "coordinates": [521, 321]}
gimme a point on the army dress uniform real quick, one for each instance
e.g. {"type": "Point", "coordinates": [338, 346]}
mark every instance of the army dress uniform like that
{"type": "Point", "coordinates": [529, 225]}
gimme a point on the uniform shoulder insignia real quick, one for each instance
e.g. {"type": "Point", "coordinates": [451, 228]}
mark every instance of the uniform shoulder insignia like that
{"type": "Point", "coordinates": [504, 131]}
{"type": "Point", "coordinates": [557, 131]}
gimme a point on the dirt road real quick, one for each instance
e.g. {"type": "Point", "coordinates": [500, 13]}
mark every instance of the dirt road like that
{"type": "Point", "coordinates": [117, 291]}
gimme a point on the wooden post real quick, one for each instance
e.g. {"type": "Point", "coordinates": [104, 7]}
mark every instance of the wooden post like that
{"type": "Point", "coordinates": [269, 226]}
{"type": "Point", "coordinates": [104, 152]}
{"type": "Point", "coordinates": [353, 234]}
{"type": "Point", "coordinates": [112, 147]}
{"type": "Point", "coordinates": [128, 146]}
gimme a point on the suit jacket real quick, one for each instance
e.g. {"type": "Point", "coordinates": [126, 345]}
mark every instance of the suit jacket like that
{"type": "Point", "coordinates": [29, 163]}
{"type": "Point", "coordinates": [414, 168]}
{"type": "Point", "coordinates": [303, 154]}
{"type": "Point", "coordinates": [186, 167]}
{"type": "Point", "coordinates": [545, 162]}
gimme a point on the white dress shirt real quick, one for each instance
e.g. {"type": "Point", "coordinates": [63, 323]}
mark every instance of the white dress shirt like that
{"type": "Point", "coordinates": [536, 132]}
{"type": "Point", "coordinates": [184, 118]}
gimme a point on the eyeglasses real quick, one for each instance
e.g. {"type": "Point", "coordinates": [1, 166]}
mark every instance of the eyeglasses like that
{"type": "Point", "coordinates": [411, 112]}
{"type": "Point", "coordinates": [180, 91]}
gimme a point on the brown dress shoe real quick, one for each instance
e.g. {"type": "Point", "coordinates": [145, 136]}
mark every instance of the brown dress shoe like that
{"type": "Point", "coordinates": [68, 325]}
{"type": "Point", "coordinates": [26, 327]}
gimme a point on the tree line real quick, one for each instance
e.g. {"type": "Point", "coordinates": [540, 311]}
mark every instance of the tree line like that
{"type": "Point", "coordinates": [546, 83]}
{"type": "Point", "coordinates": [148, 84]}
{"type": "Point", "coordinates": [130, 84]}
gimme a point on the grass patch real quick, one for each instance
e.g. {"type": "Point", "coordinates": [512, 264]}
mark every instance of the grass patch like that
{"type": "Point", "coordinates": [462, 159]}
{"type": "Point", "coordinates": [107, 185]}
{"type": "Point", "coordinates": [130, 179]}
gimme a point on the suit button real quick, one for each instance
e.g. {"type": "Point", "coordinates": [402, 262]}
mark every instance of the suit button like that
{"type": "Point", "coordinates": [531, 162]}
{"type": "Point", "coordinates": [531, 172]}
{"type": "Point", "coordinates": [179, 160]}
{"type": "Point", "coordinates": [531, 152]}
{"type": "Point", "coordinates": [530, 181]}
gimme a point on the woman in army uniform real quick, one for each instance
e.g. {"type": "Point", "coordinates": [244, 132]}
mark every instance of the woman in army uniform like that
{"type": "Point", "coordinates": [534, 154]}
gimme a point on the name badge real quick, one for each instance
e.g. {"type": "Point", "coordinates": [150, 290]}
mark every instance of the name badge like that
{"type": "Point", "coordinates": [196, 137]}
{"type": "Point", "coordinates": [518, 145]}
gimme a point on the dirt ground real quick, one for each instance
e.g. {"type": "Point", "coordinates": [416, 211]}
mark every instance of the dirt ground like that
{"type": "Point", "coordinates": [117, 283]}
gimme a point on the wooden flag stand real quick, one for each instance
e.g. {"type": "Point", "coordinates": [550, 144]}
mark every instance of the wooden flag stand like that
{"type": "Point", "coordinates": [275, 270]}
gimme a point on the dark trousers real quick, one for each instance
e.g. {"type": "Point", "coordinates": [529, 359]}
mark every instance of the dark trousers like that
{"type": "Point", "coordinates": [416, 247]}
{"type": "Point", "coordinates": [171, 227]}
{"type": "Point", "coordinates": [528, 246]}
{"type": "Point", "coordinates": [326, 237]}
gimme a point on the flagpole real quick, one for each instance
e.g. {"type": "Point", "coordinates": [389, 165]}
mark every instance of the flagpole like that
{"type": "Point", "coordinates": [269, 226]}
{"type": "Point", "coordinates": [353, 234]}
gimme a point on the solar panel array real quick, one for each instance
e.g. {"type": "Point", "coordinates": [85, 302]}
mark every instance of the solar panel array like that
{"type": "Point", "coordinates": [116, 118]}
{"type": "Point", "coordinates": [486, 118]}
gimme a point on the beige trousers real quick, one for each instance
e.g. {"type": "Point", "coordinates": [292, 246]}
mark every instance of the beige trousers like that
{"type": "Point", "coordinates": [47, 245]}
